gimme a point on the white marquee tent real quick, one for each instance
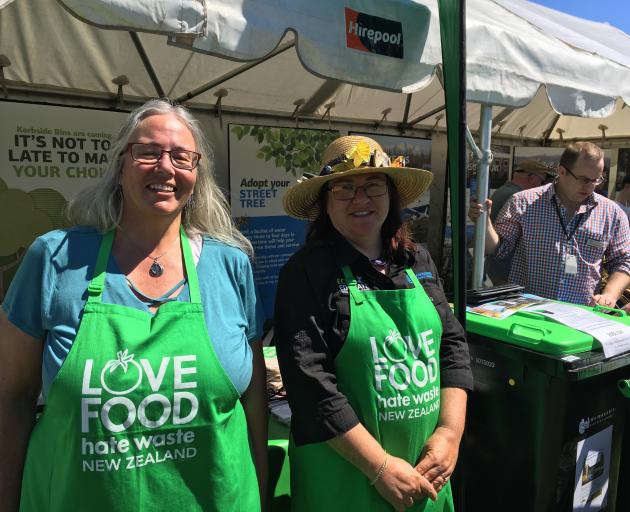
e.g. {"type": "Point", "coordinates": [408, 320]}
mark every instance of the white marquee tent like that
{"type": "Point", "coordinates": [518, 55]}
{"type": "Point", "coordinates": [533, 74]}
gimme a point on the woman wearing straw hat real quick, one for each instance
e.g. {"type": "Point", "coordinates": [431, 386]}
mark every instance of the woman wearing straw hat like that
{"type": "Point", "coordinates": [375, 364]}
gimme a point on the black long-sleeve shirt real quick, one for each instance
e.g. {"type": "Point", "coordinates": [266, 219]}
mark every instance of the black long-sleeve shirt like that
{"type": "Point", "coordinates": [311, 322]}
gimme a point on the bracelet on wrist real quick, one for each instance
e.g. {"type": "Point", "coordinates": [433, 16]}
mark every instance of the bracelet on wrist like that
{"type": "Point", "coordinates": [381, 470]}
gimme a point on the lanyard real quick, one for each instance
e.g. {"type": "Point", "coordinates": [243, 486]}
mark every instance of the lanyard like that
{"type": "Point", "coordinates": [581, 217]}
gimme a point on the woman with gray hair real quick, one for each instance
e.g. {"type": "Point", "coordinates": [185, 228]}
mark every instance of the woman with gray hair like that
{"type": "Point", "coordinates": [140, 326]}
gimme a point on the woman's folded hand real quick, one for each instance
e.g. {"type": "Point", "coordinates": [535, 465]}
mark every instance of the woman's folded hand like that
{"type": "Point", "coordinates": [439, 456]}
{"type": "Point", "coordinates": [401, 484]}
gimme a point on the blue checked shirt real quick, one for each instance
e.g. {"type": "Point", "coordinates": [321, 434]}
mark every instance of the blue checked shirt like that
{"type": "Point", "coordinates": [529, 226]}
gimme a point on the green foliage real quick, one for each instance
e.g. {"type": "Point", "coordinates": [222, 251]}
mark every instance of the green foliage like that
{"type": "Point", "coordinates": [296, 150]}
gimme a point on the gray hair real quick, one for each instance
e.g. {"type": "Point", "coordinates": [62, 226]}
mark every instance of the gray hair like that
{"type": "Point", "coordinates": [207, 211]}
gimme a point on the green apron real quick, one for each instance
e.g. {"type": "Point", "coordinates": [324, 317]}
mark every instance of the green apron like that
{"type": "Point", "coordinates": [141, 416]}
{"type": "Point", "coordinates": [388, 368]}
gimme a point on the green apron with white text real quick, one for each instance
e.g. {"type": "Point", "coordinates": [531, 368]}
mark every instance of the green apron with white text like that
{"type": "Point", "coordinates": [141, 416]}
{"type": "Point", "coordinates": [388, 368]}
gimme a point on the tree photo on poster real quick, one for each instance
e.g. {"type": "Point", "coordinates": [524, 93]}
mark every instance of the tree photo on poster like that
{"type": "Point", "coordinates": [295, 150]}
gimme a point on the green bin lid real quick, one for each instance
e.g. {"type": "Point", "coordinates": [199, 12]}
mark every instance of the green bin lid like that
{"type": "Point", "coordinates": [537, 332]}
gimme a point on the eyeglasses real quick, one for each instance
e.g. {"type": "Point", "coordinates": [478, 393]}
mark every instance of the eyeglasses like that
{"type": "Point", "coordinates": [583, 180]}
{"type": "Point", "coordinates": [347, 191]}
{"type": "Point", "coordinates": [151, 154]}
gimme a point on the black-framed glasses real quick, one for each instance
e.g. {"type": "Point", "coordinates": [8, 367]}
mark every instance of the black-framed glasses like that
{"type": "Point", "coordinates": [347, 191]}
{"type": "Point", "coordinates": [151, 154]}
{"type": "Point", "coordinates": [583, 180]}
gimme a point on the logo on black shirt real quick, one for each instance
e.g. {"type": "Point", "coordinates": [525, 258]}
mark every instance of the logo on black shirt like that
{"type": "Point", "coordinates": [343, 287]}
{"type": "Point", "coordinates": [374, 34]}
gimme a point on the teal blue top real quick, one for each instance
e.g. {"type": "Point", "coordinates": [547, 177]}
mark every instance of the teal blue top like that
{"type": "Point", "coordinates": [47, 295]}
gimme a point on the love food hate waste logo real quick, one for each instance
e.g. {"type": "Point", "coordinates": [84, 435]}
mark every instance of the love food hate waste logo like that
{"type": "Point", "coordinates": [123, 361]}
{"type": "Point", "coordinates": [405, 375]}
{"type": "Point", "coordinates": [395, 347]}
{"type": "Point", "coordinates": [131, 398]}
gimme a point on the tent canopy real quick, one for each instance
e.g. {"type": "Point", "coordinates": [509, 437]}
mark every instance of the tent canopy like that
{"type": "Point", "coordinates": [532, 63]}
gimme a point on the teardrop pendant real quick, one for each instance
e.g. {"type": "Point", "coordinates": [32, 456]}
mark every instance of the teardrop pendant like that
{"type": "Point", "coordinates": [156, 269]}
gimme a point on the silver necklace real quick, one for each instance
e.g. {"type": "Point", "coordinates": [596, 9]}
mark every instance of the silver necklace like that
{"type": "Point", "coordinates": [156, 269]}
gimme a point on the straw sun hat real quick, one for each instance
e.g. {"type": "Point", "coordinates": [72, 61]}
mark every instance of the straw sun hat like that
{"type": "Point", "coordinates": [348, 156]}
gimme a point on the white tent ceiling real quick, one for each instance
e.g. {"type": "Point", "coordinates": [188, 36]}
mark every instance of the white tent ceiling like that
{"type": "Point", "coordinates": [513, 60]}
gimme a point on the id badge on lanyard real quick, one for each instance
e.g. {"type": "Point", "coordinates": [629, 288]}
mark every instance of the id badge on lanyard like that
{"type": "Point", "coordinates": [570, 260]}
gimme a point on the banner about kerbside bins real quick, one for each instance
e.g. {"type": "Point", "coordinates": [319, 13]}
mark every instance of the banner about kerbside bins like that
{"type": "Point", "coordinates": [47, 154]}
{"type": "Point", "coordinates": [264, 162]}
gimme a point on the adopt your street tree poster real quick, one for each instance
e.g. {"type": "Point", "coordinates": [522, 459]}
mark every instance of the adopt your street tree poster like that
{"type": "Point", "coordinates": [264, 162]}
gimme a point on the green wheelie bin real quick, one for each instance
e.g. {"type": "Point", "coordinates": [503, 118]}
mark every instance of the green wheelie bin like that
{"type": "Point", "coordinates": [546, 420]}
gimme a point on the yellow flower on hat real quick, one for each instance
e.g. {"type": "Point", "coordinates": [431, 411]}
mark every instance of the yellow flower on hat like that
{"type": "Point", "coordinates": [344, 155]}
{"type": "Point", "coordinates": [359, 153]}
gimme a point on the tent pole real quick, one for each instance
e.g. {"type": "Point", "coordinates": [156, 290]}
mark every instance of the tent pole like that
{"type": "Point", "coordinates": [147, 64]}
{"type": "Point", "coordinates": [416, 120]}
{"type": "Point", "coordinates": [485, 130]}
{"type": "Point", "coordinates": [549, 131]}
{"type": "Point", "coordinates": [231, 74]}
{"type": "Point", "coordinates": [405, 118]}
{"type": "Point", "coordinates": [322, 95]}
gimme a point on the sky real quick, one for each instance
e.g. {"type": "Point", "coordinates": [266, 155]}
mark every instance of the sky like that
{"type": "Point", "coordinates": [615, 12]}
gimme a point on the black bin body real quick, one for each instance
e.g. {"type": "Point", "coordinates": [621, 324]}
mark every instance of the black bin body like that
{"type": "Point", "coordinates": [530, 415]}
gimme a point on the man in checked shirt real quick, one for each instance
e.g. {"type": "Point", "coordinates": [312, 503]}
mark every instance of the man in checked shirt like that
{"type": "Point", "coordinates": [563, 233]}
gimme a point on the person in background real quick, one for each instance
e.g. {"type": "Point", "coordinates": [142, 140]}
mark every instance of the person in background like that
{"type": "Point", "coordinates": [526, 174]}
{"type": "Point", "coordinates": [560, 235]}
{"type": "Point", "coordinates": [141, 323]}
{"type": "Point", "coordinates": [375, 365]}
{"type": "Point", "coordinates": [622, 197]}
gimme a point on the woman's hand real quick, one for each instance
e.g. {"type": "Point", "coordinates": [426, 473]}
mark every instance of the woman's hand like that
{"type": "Point", "coordinates": [401, 485]}
{"type": "Point", "coordinates": [439, 454]}
{"type": "Point", "coordinates": [438, 457]}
